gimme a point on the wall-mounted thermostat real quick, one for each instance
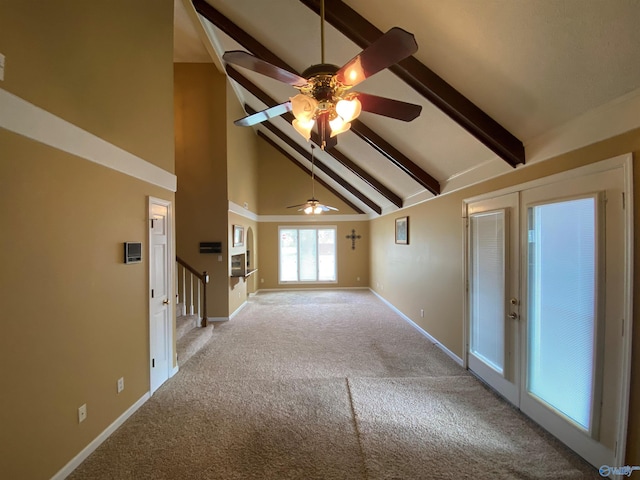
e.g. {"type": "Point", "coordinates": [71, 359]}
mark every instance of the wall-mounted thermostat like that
{"type": "Point", "coordinates": [132, 252]}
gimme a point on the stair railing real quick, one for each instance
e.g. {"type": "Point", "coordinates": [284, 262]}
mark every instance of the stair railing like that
{"type": "Point", "coordinates": [186, 275]}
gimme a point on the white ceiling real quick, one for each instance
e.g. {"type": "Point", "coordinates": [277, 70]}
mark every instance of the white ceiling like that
{"type": "Point", "coordinates": [534, 66]}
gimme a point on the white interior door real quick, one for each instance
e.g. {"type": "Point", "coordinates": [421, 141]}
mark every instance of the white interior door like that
{"type": "Point", "coordinates": [493, 276]}
{"type": "Point", "coordinates": [560, 349]}
{"type": "Point", "coordinates": [160, 328]}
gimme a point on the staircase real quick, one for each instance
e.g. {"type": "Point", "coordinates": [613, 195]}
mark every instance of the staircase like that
{"type": "Point", "coordinates": [193, 330]}
{"type": "Point", "coordinates": [190, 337]}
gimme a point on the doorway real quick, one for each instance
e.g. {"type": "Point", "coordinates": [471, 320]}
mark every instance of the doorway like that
{"type": "Point", "coordinates": [548, 275]}
{"type": "Point", "coordinates": [160, 292]}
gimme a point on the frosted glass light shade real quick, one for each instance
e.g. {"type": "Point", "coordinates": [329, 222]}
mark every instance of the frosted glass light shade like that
{"type": "Point", "coordinates": [303, 107]}
{"type": "Point", "coordinates": [303, 127]}
{"type": "Point", "coordinates": [348, 109]}
{"type": "Point", "coordinates": [338, 125]}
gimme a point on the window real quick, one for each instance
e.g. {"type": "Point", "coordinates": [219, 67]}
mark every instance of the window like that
{"type": "Point", "coordinates": [307, 254]}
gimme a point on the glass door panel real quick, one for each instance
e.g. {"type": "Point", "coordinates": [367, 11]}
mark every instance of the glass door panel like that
{"type": "Point", "coordinates": [487, 281]}
{"type": "Point", "coordinates": [562, 306]}
{"type": "Point", "coordinates": [492, 299]}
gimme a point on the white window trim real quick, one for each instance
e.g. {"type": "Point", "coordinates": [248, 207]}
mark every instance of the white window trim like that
{"type": "Point", "coordinates": [307, 282]}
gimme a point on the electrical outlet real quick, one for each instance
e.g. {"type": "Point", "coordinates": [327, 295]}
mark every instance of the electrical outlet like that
{"type": "Point", "coordinates": [357, 279]}
{"type": "Point", "coordinates": [422, 312]}
{"type": "Point", "coordinates": [1, 67]}
{"type": "Point", "coordinates": [82, 413]}
{"type": "Point", "coordinates": [120, 384]}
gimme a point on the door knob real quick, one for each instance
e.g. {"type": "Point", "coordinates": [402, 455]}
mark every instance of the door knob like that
{"type": "Point", "coordinates": [513, 316]}
{"type": "Point", "coordinates": [165, 301]}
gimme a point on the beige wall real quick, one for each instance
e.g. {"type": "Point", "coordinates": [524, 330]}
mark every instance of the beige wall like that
{"type": "Point", "coordinates": [428, 273]}
{"type": "Point", "coordinates": [102, 66]}
{"type": "Point", "coordinates": [201, 167]}
{"type": "Point", "coordinates": [242, 157]}
{"type": "Point", "coordinates": [240, 288]}
{"type": "Point", "coordinates": [281, 183]}
{"type": "Point", "coordinates": [75, 317]}
{"type": "Point", "coordinates": [351, 263]}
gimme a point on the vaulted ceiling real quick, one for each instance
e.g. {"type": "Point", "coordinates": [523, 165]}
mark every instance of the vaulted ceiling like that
{"type": "Point", "coordinates": [493, 77]}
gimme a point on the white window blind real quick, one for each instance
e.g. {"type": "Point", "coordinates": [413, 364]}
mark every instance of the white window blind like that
{"type": "Point", "coordinates": [562, 309]}
{"type": "Point", "coordinates": [487, 287]}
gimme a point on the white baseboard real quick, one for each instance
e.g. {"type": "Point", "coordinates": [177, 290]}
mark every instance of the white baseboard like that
{"type": "Point", "coordinates": [432, 339]}
{"type": "Point", "coordinates": [89, 449]}
{"type": "Point", "coordinates": [304, 289]}
{"type": "Point", "coordinates": [237, 310]}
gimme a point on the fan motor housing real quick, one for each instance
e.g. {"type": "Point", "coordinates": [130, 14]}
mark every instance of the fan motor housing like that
{"type": "Point", "coordinates": [320, 69]}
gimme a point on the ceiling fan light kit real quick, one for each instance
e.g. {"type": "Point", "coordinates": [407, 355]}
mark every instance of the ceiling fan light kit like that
{"type": "Point", "coordinates": [325, 99]}
{"type": "Point", "coordinates": [313, 206]}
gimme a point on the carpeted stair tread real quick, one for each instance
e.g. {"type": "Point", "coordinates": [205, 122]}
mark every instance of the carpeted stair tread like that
{"type": "Point", "coordinates": [192, 342]}
{"type": "Point", "coordinates": [184, 324]}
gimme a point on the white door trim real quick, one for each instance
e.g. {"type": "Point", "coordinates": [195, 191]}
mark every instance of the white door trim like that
{"type": "Point", "coordinates": [625, 162]}
{"type": "Point", "coordinates": [171, 283]}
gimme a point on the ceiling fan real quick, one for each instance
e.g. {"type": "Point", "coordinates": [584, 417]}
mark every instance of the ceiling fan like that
{"type": "Point", "coordinates": [325, 96]}
{"type": "Point", "coordinates": [313, 206]}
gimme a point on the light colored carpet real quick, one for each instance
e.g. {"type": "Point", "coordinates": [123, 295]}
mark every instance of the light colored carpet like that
{"type": "Point", "coordinates": [326, 385]}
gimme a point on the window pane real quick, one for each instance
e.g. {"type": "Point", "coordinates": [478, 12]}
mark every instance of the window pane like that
{"type": "Point", "coordinates": [308, 255]}
{"type": "Point", "coordinates": [327, 255]}
{"type": "Point", "coordinates": [487, 288]}
{"type": "Point", "coordinates": [288, 255]}
{"type": "Point", "coordinates": [562, 253]}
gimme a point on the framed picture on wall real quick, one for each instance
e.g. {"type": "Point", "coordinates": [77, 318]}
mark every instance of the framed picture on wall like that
{"type": "Point", "coordinates": [238, 236]}
{"type": "Point", "coordinates": [402, 230]}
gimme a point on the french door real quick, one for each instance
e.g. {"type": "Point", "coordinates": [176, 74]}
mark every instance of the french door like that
{"type": "Point", "coordinates": [494, 348]}
{"type": "Point", "coordinates": [546, 302]}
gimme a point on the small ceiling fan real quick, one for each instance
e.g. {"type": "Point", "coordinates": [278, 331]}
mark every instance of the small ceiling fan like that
{"type": "Point", "coordinates": [313, 205]}
{"type": "Point", "coordinates": [325, 96]}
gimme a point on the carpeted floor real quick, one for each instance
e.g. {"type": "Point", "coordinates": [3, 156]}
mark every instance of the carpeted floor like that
{"type": "Point", "coordinates": [326, 385]}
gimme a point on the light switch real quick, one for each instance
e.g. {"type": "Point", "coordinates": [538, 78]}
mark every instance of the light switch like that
{"type": "Point", "coordinates": [1, 68]}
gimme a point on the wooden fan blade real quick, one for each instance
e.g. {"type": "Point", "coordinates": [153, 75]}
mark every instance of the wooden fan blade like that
{"type": "Point", "coordinates": [246, 60]}
{"type": "Point", "coordinates": [326, 208]}
{"type": "Point", "coordinates": [395, 45]}
{"type": "Point", "coordinates": [389, 108]}
{"type": "Point", "coordinates": [294, 206]}
{"type": "Point", "coordinates": [264, 115]}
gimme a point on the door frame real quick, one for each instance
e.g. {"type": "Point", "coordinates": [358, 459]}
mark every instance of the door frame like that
{"type": "Point", "coordinates": [151, 201]}
{"type": "Point", "coordinates": [625, 162]}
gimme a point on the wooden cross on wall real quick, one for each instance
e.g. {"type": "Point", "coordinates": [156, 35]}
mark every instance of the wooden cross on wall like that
{"type": "Point", "coordinates": [353, 237]}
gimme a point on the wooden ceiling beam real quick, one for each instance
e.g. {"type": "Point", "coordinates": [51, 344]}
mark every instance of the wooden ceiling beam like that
{"type": "Point", "coordinates": [385, 148]}
{"type": "Point", "coordinates": [238, 34]}
{"type": "Point", "coordinates": [330, 173]}
{"type": "Point", "coordinates": [334, 152]}
{"type": "Point", "coordinates": [306, 170]}
{"type": "Point", "coordinates": [395, 156]}
{"type": "Point", "coordinates": [427, 83]}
